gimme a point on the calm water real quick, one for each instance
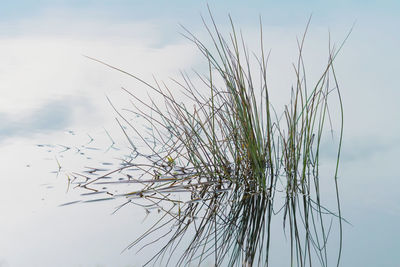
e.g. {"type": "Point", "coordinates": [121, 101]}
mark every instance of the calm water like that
{"type": "Point", "coordinates": [36, 231]}
{"type": "Point", "coordinates": [34, 225]}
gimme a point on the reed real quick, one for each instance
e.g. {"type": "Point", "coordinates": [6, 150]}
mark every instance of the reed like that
{"type": "Point", "coordinates": [232, 156]}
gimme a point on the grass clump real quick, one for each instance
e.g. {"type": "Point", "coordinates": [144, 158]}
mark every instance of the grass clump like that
{"type": "Point", "coordinates": [233, 158]}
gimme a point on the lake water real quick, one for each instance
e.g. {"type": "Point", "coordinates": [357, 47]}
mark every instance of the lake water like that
{"type": "Point", "coordinates": [88, 234]}
{"type": "Point", "coordinates": [53, 97]}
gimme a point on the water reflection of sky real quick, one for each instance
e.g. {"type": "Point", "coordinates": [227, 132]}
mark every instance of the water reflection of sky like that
{"type": "Point", "coordinates": [47, 88]}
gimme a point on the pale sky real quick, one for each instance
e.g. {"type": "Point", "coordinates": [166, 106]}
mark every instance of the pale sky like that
{"type": "Point", "coordinates": [48, 88]}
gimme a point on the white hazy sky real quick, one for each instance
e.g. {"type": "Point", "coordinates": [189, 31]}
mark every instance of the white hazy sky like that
{"type": "Point", "coordinates": [47, 87]}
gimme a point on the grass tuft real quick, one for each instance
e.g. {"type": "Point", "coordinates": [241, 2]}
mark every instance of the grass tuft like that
{"type": "Point", "coordinates": [231, 158]}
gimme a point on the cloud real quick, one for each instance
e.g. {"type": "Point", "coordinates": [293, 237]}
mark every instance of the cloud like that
{"type": "Point", "coordinates": [45, 79]}
{"type": "Point", "coordinates": [52, 116]}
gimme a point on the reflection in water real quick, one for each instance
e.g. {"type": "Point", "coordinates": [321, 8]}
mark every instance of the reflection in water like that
{"type": "Point", "coordinates": [227, 223]}
{"type": "Point", "coordinates": [223, 167]}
